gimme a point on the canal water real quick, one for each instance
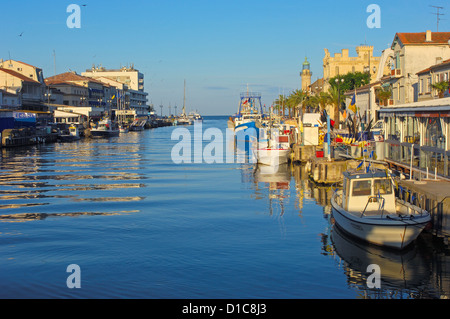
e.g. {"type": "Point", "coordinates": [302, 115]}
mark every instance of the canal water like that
{"type": "Point", "coordinates": [140, 226]}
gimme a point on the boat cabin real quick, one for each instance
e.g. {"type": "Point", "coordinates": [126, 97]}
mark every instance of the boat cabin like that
{"type": "Point", "coordinates": [368, 193]}
{"type": "Point", "coordinates": [73, 130]}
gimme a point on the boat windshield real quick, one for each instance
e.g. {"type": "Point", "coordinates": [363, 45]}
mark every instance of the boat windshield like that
{"type": "Point", "coordinates": [382, 186]}
{"type": "Point", "coordinates": [362, 188]}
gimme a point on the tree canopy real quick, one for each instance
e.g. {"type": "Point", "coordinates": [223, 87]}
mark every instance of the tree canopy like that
{"type": "Point", "coordinates": [351, 81]}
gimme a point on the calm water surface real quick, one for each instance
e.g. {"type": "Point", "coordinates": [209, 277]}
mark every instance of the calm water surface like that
{"type": "Point", "coordinates": [140, 226]}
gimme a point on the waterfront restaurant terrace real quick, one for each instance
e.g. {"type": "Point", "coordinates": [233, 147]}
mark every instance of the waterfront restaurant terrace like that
{"type": "Point", "coordinates": [417, 135]}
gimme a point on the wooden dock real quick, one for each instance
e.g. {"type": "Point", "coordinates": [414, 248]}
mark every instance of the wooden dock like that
{"type": "Point", "coordinates": [433, 196]}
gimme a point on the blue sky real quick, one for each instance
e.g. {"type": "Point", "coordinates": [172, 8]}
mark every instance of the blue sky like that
{"type": "Point", "coordinates": [219, 47]}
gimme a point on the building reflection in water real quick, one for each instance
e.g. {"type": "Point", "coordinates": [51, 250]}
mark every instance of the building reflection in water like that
{"type": "Point", "coordinates": [39, 175]}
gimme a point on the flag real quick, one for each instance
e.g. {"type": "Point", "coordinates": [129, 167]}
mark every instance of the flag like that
{"type": "Point", "coordinates": [352, 106]}
{"type": "Point", "coordinates": [245, 101]}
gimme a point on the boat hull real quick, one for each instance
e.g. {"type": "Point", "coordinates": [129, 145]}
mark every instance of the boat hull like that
{"type": "Point", "coordinates": [389, 232]}
{"type": "Point", "coordinates": [99, 133]}
{"type": "Point", "coordinates": [68, 138]}
{"type": "Point", "coordinates": [272, 157]}
{"type": "Point", "coordinates": [134, 128]}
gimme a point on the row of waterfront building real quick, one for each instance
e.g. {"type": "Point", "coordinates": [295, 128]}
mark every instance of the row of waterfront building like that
{"type": "Point", "coordinates": [69, 96]}
{"type": "Point", "coordinates": [408, 92]}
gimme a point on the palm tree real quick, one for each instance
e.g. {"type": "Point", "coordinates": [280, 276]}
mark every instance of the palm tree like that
{"type": "Point", "coordinates": [441, 87]}
{"type": "Point", "coordinates": [297, 98]}
{"type": "Point", "coordinates": [313, 101]}
{"type": "Point", "coordinates": [280, 103]}
{"type": "Point", "coordinates": [335, 99]}
{"type": "Point", "coordinates": [323, 99]}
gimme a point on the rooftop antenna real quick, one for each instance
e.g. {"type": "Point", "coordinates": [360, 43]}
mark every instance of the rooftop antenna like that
{"type": "Point", "coordinates": [438, 14]}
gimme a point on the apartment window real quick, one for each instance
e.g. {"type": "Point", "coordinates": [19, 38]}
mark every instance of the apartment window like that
{"type": "Point", "coordinates": [445, 76]}
{"type": "Point", "coordinates": [429, 85]}
{"type": "Point", "coordinates": [421, 89]}
{"type": "Point", "coordinates": [397, 60]}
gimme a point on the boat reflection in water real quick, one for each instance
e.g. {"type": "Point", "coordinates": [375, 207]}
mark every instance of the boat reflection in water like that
{"type": "Point", "coordinates": [273, 182]}
{"type": "Point", "coordinates": [402, 273]}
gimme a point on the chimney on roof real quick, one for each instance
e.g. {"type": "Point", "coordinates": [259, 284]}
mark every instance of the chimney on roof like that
{"type": "Point", "coordinates": [428, 36]}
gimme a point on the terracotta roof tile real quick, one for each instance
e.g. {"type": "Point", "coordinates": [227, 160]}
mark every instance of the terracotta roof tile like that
{"type": "Point", "coordinates": [69, 77]}
{"type": "Point", "coordinates": [420, 38]}
{"type": "Point", "coordinates": [443, 63]}
{"type": "Point", "coordinates": [19, 75]}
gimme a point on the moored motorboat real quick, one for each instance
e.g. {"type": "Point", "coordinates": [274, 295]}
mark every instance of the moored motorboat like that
{"type": "Point", "coordinates": [248, 120]}
{"type": "Point", "coordinates": [273, 147]}
{"type": "Point", "coordinates": [195, 117]}
{"type": "Point", "coordinates": [367, 208]}
{"type": "Point", "coordinates": [71, 135]}
{"type": "Point", "coordinates": [184, 120]}
{"type": "Point", "coordinates": [105, 128]}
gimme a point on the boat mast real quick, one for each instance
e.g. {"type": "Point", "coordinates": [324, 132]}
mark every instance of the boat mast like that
{"type": "Point", "coordinates": [184, 98]}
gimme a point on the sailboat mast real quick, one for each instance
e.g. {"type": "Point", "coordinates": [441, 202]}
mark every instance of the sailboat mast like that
{"type": "Point", "coordinates": [184, 98]}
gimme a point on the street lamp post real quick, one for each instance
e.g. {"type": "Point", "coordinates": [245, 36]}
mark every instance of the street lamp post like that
{"type": "Point", "coordinates": [369, 111]}
{"type": "Point", "coordinates": [338, 81]}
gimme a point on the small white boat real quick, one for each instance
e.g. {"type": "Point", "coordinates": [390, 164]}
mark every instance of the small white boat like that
{"type": "Point", "coordinates": [183, 120]}
{"type": "Point", "coordinates": [72, 135]}
{"type": "Point", "coordinates": [367, 208]}
{"type": "Point", "coordinates": [195, 117]}
{"type": "Point", "coordinates": [273, 148]}
{"type": "Point", "coordinates": [105, 128]}
{"type": "Point", "coordinates": [273, 156]}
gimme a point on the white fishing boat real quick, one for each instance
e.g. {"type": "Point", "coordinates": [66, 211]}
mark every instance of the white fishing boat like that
{"type": "Point", "coordinates": [250, 113]}
{"type": "Point", "coordinates": [273, 146]}
{"type": "Point", "coordinates": [195, 117]}
{"type": "Point", "coordinates": [367, 208]}
{"type": "Point", "coordinates": [105, 128]}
